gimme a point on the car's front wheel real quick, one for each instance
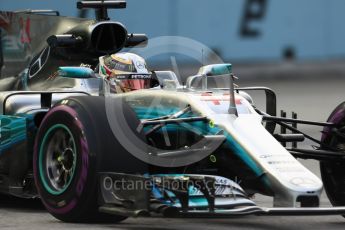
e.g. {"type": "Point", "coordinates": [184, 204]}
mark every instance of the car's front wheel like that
{"type": "Point", "coordinates": [67, 157]}
{"type": "Point", "coordinates": [333, 172]}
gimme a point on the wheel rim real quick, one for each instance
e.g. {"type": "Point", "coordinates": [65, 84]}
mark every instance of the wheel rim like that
{"type": "Point", "coordinates": [57, 159]}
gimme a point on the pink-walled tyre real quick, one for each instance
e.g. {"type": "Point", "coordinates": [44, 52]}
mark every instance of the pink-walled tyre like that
{"type": "Point", "coordinates": [333, 172]}
{"type": "Point", "coordinates": [67, 157]}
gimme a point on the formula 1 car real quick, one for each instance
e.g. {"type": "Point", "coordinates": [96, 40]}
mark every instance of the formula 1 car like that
{"type": "Point", "coordinates": [197, 150]}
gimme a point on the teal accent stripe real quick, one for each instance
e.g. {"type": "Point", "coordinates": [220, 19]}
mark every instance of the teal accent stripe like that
{"type": "Point", "coordinates": [237, 149]}
{"type": "Point", "coordinates": [149, 113]}
{"type": "Point", "coordinates": [13, 131]}
{"type": "Point", "coordinates": [242, 153]}
{"type": "Point", "coordinates": [205, 129]}
{"type": "Point", "coordinates": [13, 142]}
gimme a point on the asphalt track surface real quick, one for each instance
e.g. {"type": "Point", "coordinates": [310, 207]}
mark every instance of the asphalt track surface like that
{"type": "Point", "coordinates": [311, 99]}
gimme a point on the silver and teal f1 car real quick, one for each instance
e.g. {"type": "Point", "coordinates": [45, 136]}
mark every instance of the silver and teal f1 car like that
{"type": "Point", "coordinates": [202, 149]}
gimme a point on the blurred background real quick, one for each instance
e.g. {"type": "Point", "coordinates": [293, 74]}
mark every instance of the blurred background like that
{"type": "Point", "coordinates": [296, 46]}
{"type": "Point", "coordinates": [268, 37]}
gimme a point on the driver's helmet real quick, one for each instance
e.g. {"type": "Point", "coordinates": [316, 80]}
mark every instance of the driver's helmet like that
{"type": "Point", "coordinates": [125, 72]}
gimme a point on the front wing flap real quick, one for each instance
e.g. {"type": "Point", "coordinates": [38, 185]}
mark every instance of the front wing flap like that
{"type": "Point", "coordinates": [185, 195]}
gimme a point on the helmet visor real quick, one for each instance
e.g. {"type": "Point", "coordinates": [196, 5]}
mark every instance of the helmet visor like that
{"type": "Point", "coordinates": [134, 84]}
{"type": "Point", "coordinates": [129, 82]}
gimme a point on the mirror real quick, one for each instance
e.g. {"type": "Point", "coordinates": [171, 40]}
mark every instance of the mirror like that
{"type": "Point", "coordinates": [76, 72]}
{"type": "Point", "coordinates": [216, 69]}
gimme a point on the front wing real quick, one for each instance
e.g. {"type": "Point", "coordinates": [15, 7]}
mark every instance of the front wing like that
{"type": "Point", "coordinates": [185, 196]}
